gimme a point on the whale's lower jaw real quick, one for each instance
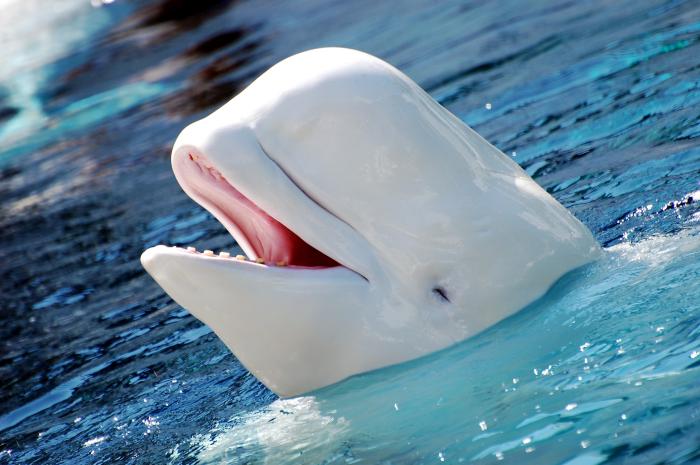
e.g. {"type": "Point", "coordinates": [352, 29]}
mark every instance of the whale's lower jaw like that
{"type": "Point", "coordinates": [288, 326]}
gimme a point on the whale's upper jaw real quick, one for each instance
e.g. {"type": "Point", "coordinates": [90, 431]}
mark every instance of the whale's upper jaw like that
{"type": "Point", "coordinates": [274, 221]}
{"type": "Point", "coordinates": [266, 242]}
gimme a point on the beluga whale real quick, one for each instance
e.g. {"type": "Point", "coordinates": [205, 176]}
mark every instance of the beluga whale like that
{"type": "Point", "coordinates": [376, 226]}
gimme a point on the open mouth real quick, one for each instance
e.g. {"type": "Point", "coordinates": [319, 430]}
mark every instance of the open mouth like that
{"type": "Point", "coordinates": [264, 239]}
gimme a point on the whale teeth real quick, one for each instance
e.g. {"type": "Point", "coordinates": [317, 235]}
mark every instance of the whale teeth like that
{"type": "Point", "coordinates": [191, 249]}
{"type": "Point", "coordinates": [224, 254]}
{"type": "Point", "coordinates": [240, 258]}
{"type": "Point", "coordinates": [259, 260]}
{"type": "Point", "coordinates": [281, 263]}
{"type": "Point", "coordinates": [208, 253]}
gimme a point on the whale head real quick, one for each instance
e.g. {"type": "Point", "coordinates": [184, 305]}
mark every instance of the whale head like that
{"type": "Point", "coordinates": [377, 227]}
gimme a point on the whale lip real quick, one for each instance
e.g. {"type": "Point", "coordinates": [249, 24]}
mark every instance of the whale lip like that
{"type": "Point", "coordinates": [266, 241]}
{"type": "Point", "coordinates": [274, 319]}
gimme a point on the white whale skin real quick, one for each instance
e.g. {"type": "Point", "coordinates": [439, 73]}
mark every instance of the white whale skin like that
{"type": "Point", "coordinates": [439, 234]}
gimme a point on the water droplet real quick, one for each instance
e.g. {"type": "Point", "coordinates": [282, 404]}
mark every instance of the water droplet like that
{"type": "Point", "coordinates": [396, 406]}
{"type": "Point", "coordinates": [488, 105]}
{"type": "Point", "coordinates": [571, 406]}
{"type": "Point", "coordinates": [585, 444]}
{"type": "Point", "coordinates": [483, 425]}
{"type": "Point", "coordinates": [694, 354]}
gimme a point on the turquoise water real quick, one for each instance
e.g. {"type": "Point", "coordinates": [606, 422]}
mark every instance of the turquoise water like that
{"type": "Point", "coordinates": [599, 102]}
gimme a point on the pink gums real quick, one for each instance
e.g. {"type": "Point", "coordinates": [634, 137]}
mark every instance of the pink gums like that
{"type": "Point", "coordinates": [270, 240]}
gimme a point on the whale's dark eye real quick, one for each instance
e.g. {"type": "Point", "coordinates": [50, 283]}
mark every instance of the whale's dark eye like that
{"type": "Point", "coordinates": [441, 293]}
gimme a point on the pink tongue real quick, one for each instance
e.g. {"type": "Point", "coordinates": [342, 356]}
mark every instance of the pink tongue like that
{"type": "Point", "coordinates": [269, 238]}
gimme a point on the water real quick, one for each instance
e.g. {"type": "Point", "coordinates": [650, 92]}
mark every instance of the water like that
{"type": "Point", "coordinates": [598, 101]}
